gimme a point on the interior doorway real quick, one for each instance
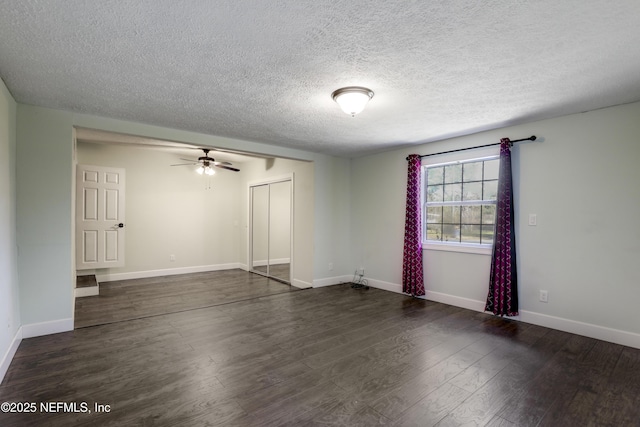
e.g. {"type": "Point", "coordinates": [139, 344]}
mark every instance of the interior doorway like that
{"type": "Point", "coordinates": [271, 228]}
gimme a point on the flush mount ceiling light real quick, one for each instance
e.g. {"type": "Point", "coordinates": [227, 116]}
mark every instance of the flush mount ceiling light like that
{"type": "Point", "coordinates": [352, 99]}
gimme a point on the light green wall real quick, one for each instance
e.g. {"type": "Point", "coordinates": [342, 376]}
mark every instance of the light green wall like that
{"type": "Point", "coordinates": [333, 201]}
{"type": "Point", "coordinates": [9, 293]}
{"type": "Point", "coordinates": [45, 145]}
{"type": "Point", "coordinates": [378, 195]}
{"type": "Point", "coordinates": [582, 182]}
{"type": "Point", "coordinates": [44, 180]}
{"type": "Point", "coordinates": [580, 178]}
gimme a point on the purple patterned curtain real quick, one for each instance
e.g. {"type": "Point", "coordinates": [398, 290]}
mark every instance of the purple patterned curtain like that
{"type": "Point", "coordinates": [503, 290]}
{"type": "Point", "coordinates": [412, 273]}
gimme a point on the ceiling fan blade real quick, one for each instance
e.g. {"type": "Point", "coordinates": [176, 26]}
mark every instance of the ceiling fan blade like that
{"type": "Point", "coordinates": [188, 160]}
{"type": "Point", "coordinates": [185, 164]}
{"type": "Point", "coordinates": [223, 163]}
{"type": "Point", "coordinates": [227, 167]}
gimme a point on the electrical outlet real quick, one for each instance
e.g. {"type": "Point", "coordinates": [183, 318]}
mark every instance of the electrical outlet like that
{"type": "Point", "coordinates": [544, 296]}
{"type": "Point", "coordinates": [361, 271]}
{"type": "Point", "coordinates": [172, 258]}
{"type": "Point", "coordinates": [330, 266]}
{"type": "Point", "coordinates": [533, 219]}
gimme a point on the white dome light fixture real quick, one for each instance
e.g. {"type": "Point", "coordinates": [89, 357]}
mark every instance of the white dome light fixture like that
{"type": "Point", "coordinates": [352, 99]}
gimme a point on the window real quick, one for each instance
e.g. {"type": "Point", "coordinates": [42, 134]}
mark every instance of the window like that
{"type": "Point", "coordinates": [459, 202]}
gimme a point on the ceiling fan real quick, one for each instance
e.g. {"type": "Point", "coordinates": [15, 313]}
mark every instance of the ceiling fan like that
{"type": "Point", "coordinates": [207, 164]}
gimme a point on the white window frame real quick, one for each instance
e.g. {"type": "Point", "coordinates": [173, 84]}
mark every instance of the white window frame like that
{"type": "Point", "coordinates": [484, 153]}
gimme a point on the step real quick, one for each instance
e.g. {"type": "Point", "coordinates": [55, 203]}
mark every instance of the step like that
{"type": "Point", "coordinates": [87, 286]}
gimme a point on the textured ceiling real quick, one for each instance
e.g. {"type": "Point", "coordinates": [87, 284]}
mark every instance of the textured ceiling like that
{"type": "Point", "coordinates": [264, 71]}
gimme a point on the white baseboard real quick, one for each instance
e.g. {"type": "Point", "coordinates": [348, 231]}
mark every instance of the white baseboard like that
{"type": "Point", "coordinates": [300, 284]}
{"type": "Point", "coordinates": [30, 331]}
{"type": "Point", "coordinates": [275, 261]}
{"type": "Point", "coordinates": [590, 330]}
{"type": "Point", "coordinates": [165, 272]}
{"type": "Point", "coordinates": [329, 281]}
{"type": "Point", "coordinates": [47, 328]}
{"type": "Point", "coordinates": [385, 286]}
{"type": "Point", "coordinates": [89, 291]}
{"type": "Point", "coordinates": [11, 351]}
{"type": "Point", "coordinates": [630, 339]}
{"type": "Point", "coordinates": [467, 303]}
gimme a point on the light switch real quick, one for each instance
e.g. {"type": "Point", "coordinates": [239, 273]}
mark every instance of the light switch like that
{"type": "Point", "coordinates": [533, 220]}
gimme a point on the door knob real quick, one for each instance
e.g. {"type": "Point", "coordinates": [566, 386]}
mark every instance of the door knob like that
{"type": "Point", "coordinates": [121, 225]}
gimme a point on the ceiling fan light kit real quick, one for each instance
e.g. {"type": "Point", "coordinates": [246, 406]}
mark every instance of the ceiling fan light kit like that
{"type": "Point", "coordinates": [352, 99]}
{"type": "Point", "coordinates": [207, 164]}
{"type": "Point", "coordinates": [205, 169]}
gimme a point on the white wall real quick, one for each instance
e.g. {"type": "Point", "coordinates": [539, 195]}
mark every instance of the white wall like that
{"type": "Point", "coordinates": [580, 178]}
{"type": "Point", "coordinates": [9, 294]}
{"type": "Point", "coordinates": [171, 211]}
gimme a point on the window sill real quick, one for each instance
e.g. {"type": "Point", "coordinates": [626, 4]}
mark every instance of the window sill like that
{"type": "Point", "coordinates": [461, 247]}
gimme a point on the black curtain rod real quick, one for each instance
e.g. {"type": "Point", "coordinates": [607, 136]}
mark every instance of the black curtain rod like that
{"type": "Point", "coordinates": [531, 138]}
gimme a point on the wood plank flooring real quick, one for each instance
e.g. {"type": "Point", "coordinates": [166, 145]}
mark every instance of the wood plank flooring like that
{"type": "Point", "coordinates": [279, 271]}
{"type": "Point", "coordinates": [327, 356]}
{"type": "Point", "coordinates": [138, 298]}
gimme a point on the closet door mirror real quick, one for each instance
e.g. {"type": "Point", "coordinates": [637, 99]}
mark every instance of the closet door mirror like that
{"type": "Point", "coordinates": [280, 230]}
{"type": "Point", "coordinates": [270, 233]}
{"type": "Point", "coordinates": [260, 229]}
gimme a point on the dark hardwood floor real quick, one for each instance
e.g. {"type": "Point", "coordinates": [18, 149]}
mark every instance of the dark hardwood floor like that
{"type": "Point", "coordinates": [326, 356]}
{"type": "Point", "coordinates": [279, 271]}
{"type": "Point", "coordinates": [138, 298]}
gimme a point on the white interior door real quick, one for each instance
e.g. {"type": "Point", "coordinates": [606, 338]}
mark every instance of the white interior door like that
{"type": "Point", "coordinates": [100, 222]}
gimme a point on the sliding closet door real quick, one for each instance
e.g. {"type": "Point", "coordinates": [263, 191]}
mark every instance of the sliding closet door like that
{"type": "Point", "coordinates": [260, 229]}
{"type": "Point", "coordinates": [270, 233]}
{"type": "Point", "coordinates": [280, 230]}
